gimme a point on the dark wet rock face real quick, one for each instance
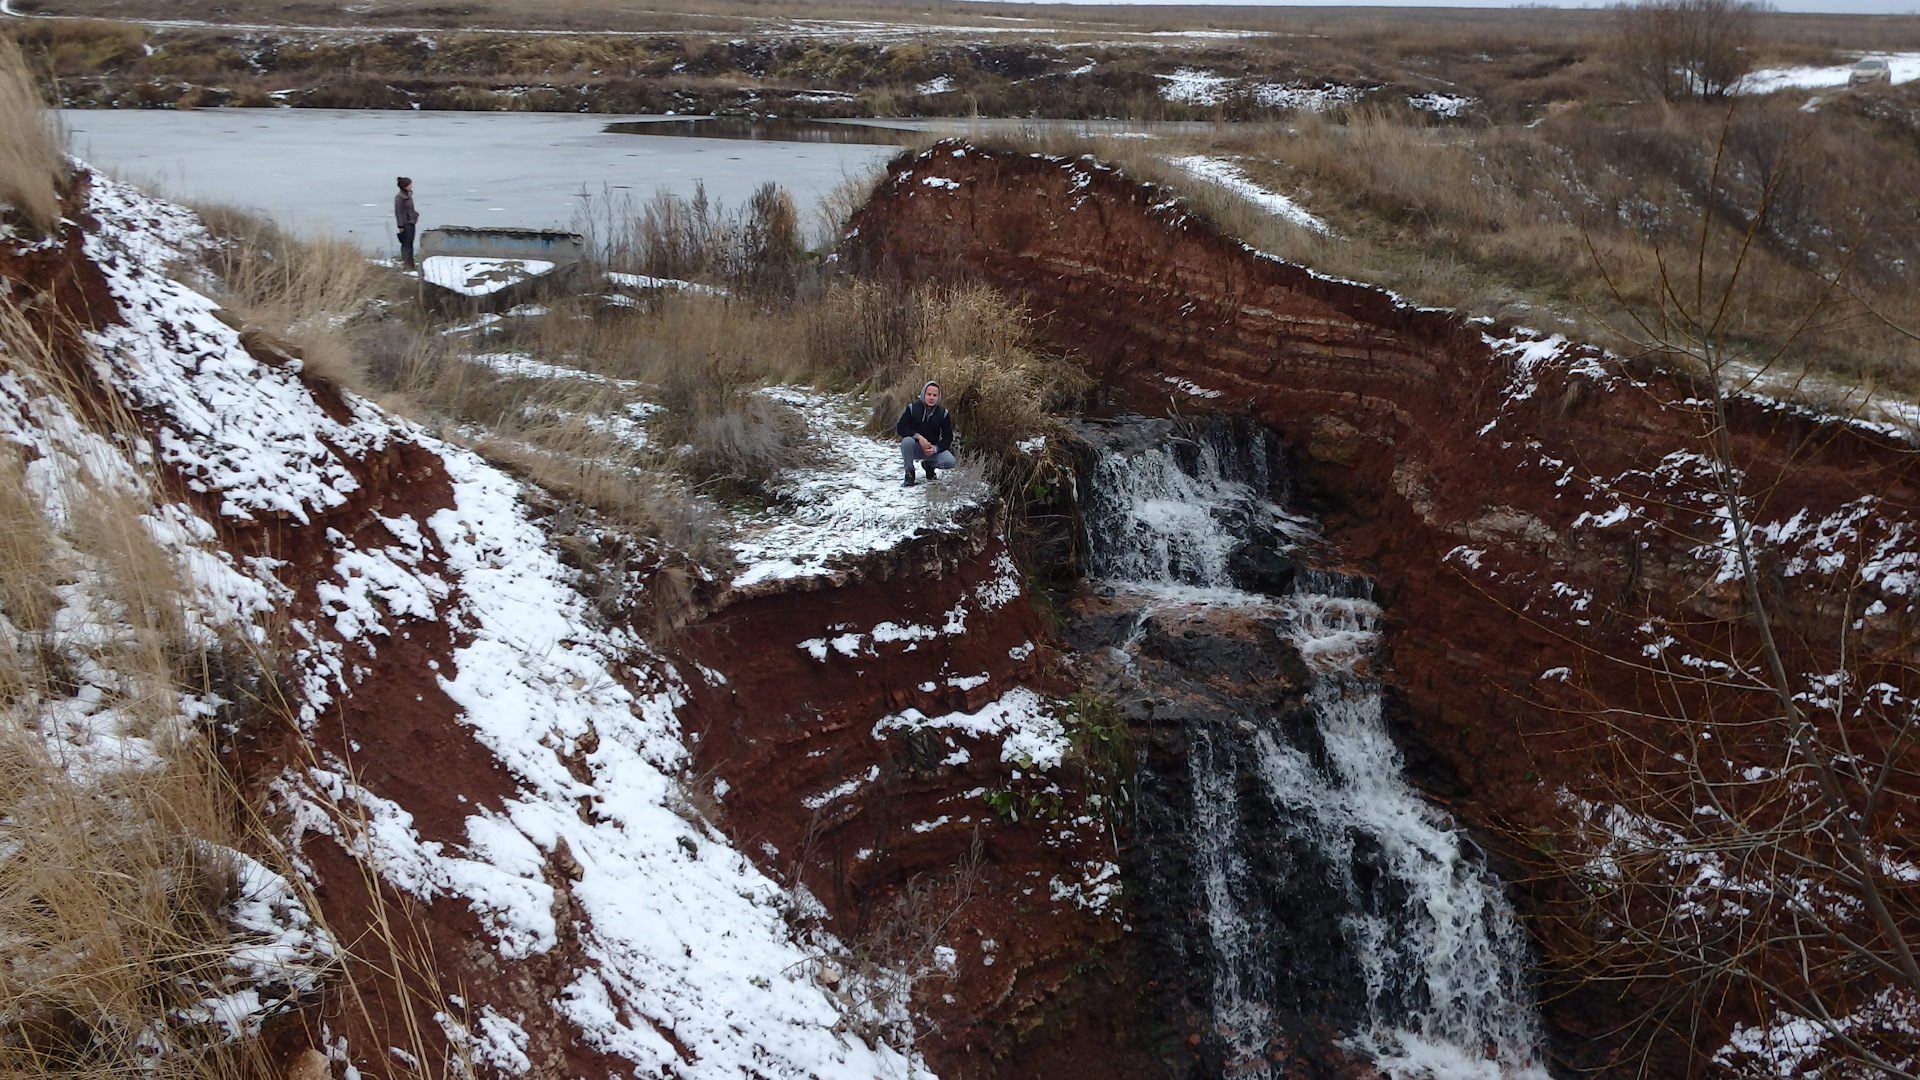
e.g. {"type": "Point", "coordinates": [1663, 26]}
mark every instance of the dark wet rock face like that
{"type": "Point", "coordinates": [1201, 689]}
{"type": "Point", "coordinates": [1302, 911]}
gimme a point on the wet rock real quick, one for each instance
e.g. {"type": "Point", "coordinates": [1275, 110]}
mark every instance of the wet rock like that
{"type": "Point", "coordinates": [1260, 568]}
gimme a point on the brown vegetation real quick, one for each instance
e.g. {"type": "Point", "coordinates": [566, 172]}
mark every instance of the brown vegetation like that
{"type": "Point", "coordinates": [1063, 63]}
{"type": "Point", "coordinates": [31, 160]}
{"type": "Point", "coordinates": [288, 296]}
{"type": "Point", "coordinates": [1562, 224]}
{"type": "Point", "coordinates": [121, 868]}
{"type": "Point", "coordinates": [1679, 49]}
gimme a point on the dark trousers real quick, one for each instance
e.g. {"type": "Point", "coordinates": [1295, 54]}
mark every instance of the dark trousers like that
{"type": "Point", "coordinates": [406, 244]}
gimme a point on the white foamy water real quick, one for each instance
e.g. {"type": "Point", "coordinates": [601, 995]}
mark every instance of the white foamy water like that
{"type": "Point", "coordinates": [1155, 524]}
{"type": "Point", "coordinates": [1435, 944]}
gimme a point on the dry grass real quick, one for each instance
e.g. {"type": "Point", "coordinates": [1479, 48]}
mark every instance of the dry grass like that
{"type": "Point", "coordinates": [286, 294]}
{"type": "Point", "coordinates": [755, 250]}
{"type": "Point", "coordinates": [1575, 223]}
{"type": "Point", "coordinates": [741, 58]}
{"type": "Point", "coordinates": [32, 163]}
{"type": "Point", "coordinates": [979, 348]}
{"type": "Point", "coordinates": [120, 830]}
{"type": "Point", "coordinates": [573, 436]}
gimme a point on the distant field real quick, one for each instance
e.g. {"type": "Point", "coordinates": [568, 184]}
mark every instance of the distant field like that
{"type": "Point", "coordinates": [1396, 28]}
{"type": "Point", "coordinates": [1505, 162]}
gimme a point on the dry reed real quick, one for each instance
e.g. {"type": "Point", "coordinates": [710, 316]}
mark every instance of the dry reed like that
{"type": "Point", "coordinates": [289, 294]}
{"type": "Point", "coordinates": [32, 161]}
{"type": "Point", "coordinates": [121, 832]}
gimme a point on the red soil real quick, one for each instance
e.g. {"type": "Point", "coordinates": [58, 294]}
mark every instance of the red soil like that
{"type": "Point", "coordinates": [1384, 405]}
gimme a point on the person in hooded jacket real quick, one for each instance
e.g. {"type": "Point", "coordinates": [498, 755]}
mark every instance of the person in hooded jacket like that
{"type": "Point", "coordinates": [926, 434]}
{"type": "Point", "coordinates": [405, 218]}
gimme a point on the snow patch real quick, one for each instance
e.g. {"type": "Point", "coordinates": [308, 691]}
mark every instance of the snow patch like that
{"type": "Point", "coordinates": [1228, 175]}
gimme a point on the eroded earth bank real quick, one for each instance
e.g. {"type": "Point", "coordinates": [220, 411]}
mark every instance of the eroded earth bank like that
{"type": "Point", "coordinates": [1362, 626]}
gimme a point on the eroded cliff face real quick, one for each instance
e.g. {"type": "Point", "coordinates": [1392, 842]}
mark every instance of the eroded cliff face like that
{"type": "Point", "coordinates": [830, 826]}
{"type": "Point", "coordinates": [870, 744]}
{"type": "Point", "coordinates": [1537, 516]}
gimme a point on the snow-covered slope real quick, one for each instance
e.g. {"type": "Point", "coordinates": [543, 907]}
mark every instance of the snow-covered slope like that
{"type": "Point", "coordinates": [681, 960]}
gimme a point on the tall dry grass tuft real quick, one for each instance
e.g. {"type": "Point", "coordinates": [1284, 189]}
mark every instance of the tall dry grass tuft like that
{"type": "Point", "coordinates": [32, 163]}
{"type": "Point", "coordinates": [978, 346]}
{"type": "Point", "coordinates": [756, 250]}
{"type": "Point", "coordinates": [121, 870]}
{"type": "Point", "coordinates": [289, 294]}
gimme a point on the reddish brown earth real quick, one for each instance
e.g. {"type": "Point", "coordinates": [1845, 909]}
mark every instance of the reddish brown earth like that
{"type": "Point", "coordinates": [1383, 406]}
{"type": "Point", "coordinates": [394, 727]}
{"type": "Point", "coordinates": [783, 727]}
{"type": "Point", "coordinates": [773, 722]}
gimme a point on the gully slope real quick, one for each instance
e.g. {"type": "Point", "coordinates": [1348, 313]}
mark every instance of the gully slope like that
{"type": "Point", "coordinates": [1541, 520]}
{"type": "Point", "coordinates": [830, 828]}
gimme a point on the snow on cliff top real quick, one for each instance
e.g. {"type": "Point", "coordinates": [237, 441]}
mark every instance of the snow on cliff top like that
{"type": "Point", "coordinates": [686, 937]}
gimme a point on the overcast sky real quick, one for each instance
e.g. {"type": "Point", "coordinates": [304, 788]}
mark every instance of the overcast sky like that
{"type": "Point", "coordinates": [1857, 7]}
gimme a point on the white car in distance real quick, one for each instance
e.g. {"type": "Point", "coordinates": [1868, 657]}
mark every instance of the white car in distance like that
{"type": "Point", "coordinates": [1871, 70]}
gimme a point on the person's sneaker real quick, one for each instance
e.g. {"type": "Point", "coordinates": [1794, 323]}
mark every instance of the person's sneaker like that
{"type": "Point", "coordinates": [909, 481]}
{"type": "Point", "coordinates": [927, 465]}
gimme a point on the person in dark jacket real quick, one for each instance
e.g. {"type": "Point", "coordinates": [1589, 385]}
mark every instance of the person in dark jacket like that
{"type": "Point", "coordinates": [926, 434]}
{"type": "Point", "coordinates": [407, 218]}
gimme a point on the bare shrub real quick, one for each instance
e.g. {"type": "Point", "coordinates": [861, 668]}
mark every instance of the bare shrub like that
{"type": "Point", "coordinates": [1678, 49]}
{"type": "Point", "coordinates": [756, 249]}
{"type": "Point", "coordinates": [863, 330]}
{"type": "Point", "coordinates": [32, 163]}
{"type": "Point", "coordinates": [746, 444]}
{"type": "Point", "coordinates": [896, 956]}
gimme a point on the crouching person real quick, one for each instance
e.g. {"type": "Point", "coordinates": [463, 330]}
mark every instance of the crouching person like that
{"type": "Point", "coordinates": [926, 434]}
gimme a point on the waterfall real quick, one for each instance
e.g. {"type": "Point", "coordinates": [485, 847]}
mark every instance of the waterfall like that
{"type": "Point", "coordinates": [1435, 957]}
{"type": "Point", "coordinates": [1195, 513]}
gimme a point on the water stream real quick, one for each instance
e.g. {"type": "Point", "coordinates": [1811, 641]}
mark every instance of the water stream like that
{"type": "Point", "coordinates": [1315, 805]}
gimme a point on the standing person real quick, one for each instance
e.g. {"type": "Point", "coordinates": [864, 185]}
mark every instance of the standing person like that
{"type": "Point", "coordinates": [407, 218]}
{"type": "Point", "coordinates": [926, 434]}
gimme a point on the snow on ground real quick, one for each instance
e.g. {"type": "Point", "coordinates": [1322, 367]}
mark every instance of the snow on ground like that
{"type": "Point", "coordinates": [1228, 175]}
{"type": "Point", "coordinates": [643, 281]}
{"type": "Point", "coordinates": [100, 727]}
{"type": "Point", "coordinates": [1025, 723]}
{"type": "Point", "coordinates": [683, 935]}
{"type": "Point", "coordinates": [1795, 1046]}
{"type": "Point", "coordinates": [1192, 86]}
{"type": "Point", "coordinates": [850, 503]}
{"type": "Point", "coordinates": [522, 365]}
{"type": "Point", "coordinates": [1304, 98]}
{"type": "Point", "coordinates": [1905, 67]}
{"type": "Point", "coordinates": [1446, 105]}
{"type": "Point", "coordinates": [479, 277]}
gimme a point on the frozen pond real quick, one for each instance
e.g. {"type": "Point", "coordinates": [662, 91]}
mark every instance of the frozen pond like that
{"type": "Point", "coordinates": [332, 170]}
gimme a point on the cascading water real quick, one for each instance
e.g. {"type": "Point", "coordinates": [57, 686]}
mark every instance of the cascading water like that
{"type": "Point", "coordinates": [1313, 804]}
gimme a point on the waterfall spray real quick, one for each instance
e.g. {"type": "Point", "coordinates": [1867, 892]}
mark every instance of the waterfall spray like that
{"type": "Point", "coordinates": [1437, 958]}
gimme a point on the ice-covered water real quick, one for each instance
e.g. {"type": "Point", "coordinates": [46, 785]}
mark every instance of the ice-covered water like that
{"type": "Point", "coordinates": [331, 171]}
{"type": "Point", "coordinates": [1438, 955]}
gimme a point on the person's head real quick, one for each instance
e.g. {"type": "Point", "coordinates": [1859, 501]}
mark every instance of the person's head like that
{"type": "Point", "coordinates": [405, 182]}
{"type": "Point", "coordinates": [930, 394]}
